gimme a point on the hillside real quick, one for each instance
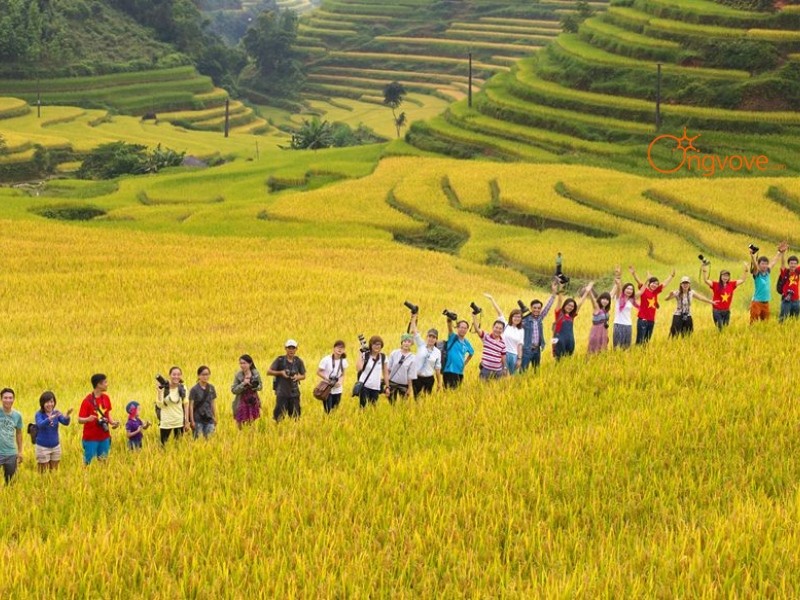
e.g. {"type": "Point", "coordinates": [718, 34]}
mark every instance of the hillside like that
{"type": "Point", "coordinates": [731, 75]}
{"type": "Point", "coordinates": [78, 37]}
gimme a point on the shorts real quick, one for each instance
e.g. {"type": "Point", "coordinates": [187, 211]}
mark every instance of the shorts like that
{"type": "Point", "coordinates": [97, 450]}
{"type": "Point", "coordinates": [45, 455]}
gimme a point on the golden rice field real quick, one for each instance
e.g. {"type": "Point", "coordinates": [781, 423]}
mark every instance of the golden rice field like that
{"type": "Point", "coordinates": [669, 471]}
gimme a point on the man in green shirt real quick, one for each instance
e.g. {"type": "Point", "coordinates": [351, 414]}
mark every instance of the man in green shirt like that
{"type": "Point", "coordinates": [10, 435]}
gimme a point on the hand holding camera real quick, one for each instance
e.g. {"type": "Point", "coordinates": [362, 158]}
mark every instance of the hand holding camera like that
{"type": "Point", "coordinates": [476, 310]}
{"type": "Point", "coordinates": [163, 384]}
{"type": "Point", "coordinates": [451, 316]}
{"type": "Point", "coordinates": [704, 260]}
{"type": "Point", "coordinates": [412, 307]}
{"type": "Point", "coordinates": [363, 347]}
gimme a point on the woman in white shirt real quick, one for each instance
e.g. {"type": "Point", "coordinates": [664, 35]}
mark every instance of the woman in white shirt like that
{"type": "Point", "coordinates": [331, 368]}
{"type": "Point", "coordinates": [513, 335]}
{"type": "Point", "coordinates": [372, 372]}
{"type": "Point", "coordinates": [624, 299]}
{"type": "Point", "coordinates": [429, 361]}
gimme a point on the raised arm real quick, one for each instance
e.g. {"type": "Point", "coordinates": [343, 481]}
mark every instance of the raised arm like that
{"type": "Point", "coordinates": [496, 306]}
{"type": "Point", "coordinates": [669, 279]}
{"type": "Point", "coordinates": [476, 325]}
{"type": "Point", "coordinates": [702, 298]}
{"type": "Point", "coordinates": [782, 248]}
{"type": "Point", "coordinates": [635, 276]}
{"type": "Point", "coordinates": [704, 271]}
{"type": "Point", "coordinates": [588, 291]}
{"type": "Point", "coordinates": [744, 275]}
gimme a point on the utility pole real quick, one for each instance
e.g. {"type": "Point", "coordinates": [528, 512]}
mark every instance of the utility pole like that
{"type": "Point", "coordinates": [469, 86]}
{"type": "Point", "coordinates": [658, 98]}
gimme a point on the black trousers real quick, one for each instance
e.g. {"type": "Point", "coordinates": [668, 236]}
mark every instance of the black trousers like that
{"type": "Point", "coordinates": [286, 405]}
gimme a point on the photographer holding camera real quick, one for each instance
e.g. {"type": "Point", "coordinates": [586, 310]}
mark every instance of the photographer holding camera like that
{"type": "Point", "coordinates": [459, 352]}
{"type": "Point", "coordinates": [288, 371]}
{"type": "Point", "coordinates": [429, 361]}
{"type": "Point", "coordinates": [173, 405]}
{"type": "Point", "coordinates": [95, 416]}
{"type": "Point", "coordinates": [331, 369]}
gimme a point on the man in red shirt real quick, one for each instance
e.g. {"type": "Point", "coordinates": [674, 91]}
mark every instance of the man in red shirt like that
{"type": "Point", "coordinates": [790, 295]}
{"type": "Point", "coordinates": [648, 305]}
{"type": "Point", "coordinates": [95, 416]}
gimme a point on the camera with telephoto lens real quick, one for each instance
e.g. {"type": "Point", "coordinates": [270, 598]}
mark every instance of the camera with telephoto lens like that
{"type": "Point", "coordinates": [162, 383]}
{"type": "Point", "coordinates": [704, 260]}
{"type": "Point", "coordinates": [753, 249]}
{"type": "Point", "coordinates": [412, 307]}
{"type": "Point", "coordinates": [523, 309]}
{"type": "Point", "coordinates": [363, 342]}
{"type": "Point", "coordinates": [476, 310]}
{"type": "Point", "coordinates": [559, 274]}
{"type": "Point", "coordinates": [451, 316]}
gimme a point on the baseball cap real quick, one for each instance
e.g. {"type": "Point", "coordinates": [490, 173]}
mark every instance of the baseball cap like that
{"type": "Point", "coordinates": [290, 344]}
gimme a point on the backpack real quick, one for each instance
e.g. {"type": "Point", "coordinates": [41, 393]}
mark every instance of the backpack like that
{"type": "Point", "coordinates": [275, 379]}
{"type": "Point", "coordinates": [782, 279]}
{"type": "Point", "coordinates": [33, 431]}
{"type": "Point", "coordinates": [444, 348]}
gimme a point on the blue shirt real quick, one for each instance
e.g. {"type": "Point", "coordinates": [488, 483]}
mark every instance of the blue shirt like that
{"type": "Point", "coordinates": [534, 328]}
{"type": "Point", "coordinates": [47, 435]}
{"type": "Point", "coordinates": [762, 292]}
{"type": "Point", "coordinates": [457, 351]}
{"type": "Point", "coordinates": [9, 424]}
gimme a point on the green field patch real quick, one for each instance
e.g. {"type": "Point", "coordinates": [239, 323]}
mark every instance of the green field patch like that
{"type": "Point", "coordinates": [456, 46]}
{"type": "Point", "coordinates": [96, 82]}
{"type": "Point", "coordinates": [547, 92]}
{"type": "Point", "coordinates": [436, 236]}
{"type": "Point", "coordinates": [148, 199]}
{"type": "Point", "coordinates": [467, 144]}
{"type": "Point", "coordinates": [68, 212]}
{"type": "Point", "coordinates": [500, 37]}
{"type": "Point", "coordinates": [628, 43]}
{"type": "Point", "coordinates": [784, 197]}
{"type": "Point", "coordinates": [547, 139]}
{"type": "Point", "coordinates": [77, 188]}
{"type": "Point", "coordinates": [704, 12]}
{"type": "Point", "coordinates": [588, 54]}
{"type": "Point", "coordinates": [535, 27]}
{"type": "Point", "coordinates": [13, 107]}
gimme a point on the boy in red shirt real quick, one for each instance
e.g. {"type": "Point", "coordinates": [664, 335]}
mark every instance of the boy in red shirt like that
{"type": "Point", "coordinates": [790, 295]}
{"type": "Point", "coordinates": [648, 305]}
{"type": "Point", "coordinates": [95, 416]}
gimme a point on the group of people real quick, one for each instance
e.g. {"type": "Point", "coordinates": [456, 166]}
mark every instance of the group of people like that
{"type": "Point", "coordinates": [511, 345]}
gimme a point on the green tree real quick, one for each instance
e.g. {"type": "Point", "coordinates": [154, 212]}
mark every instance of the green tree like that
{"type": "Point", "coordinates": [312, 135]}
{"type": "Point", "coordinates": [393, 95]}
{"type": "Point", "coordinates": [269, 43]}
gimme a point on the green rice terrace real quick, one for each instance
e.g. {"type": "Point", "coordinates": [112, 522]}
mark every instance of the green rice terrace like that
{"type": "Point", "coordinates": [731, 75]}
{"type": "Point", "coordinates": [552, 81]}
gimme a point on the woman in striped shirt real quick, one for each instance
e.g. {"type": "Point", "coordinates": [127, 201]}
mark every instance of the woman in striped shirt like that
{"type": "Point", "coordinates": [493, 359]}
